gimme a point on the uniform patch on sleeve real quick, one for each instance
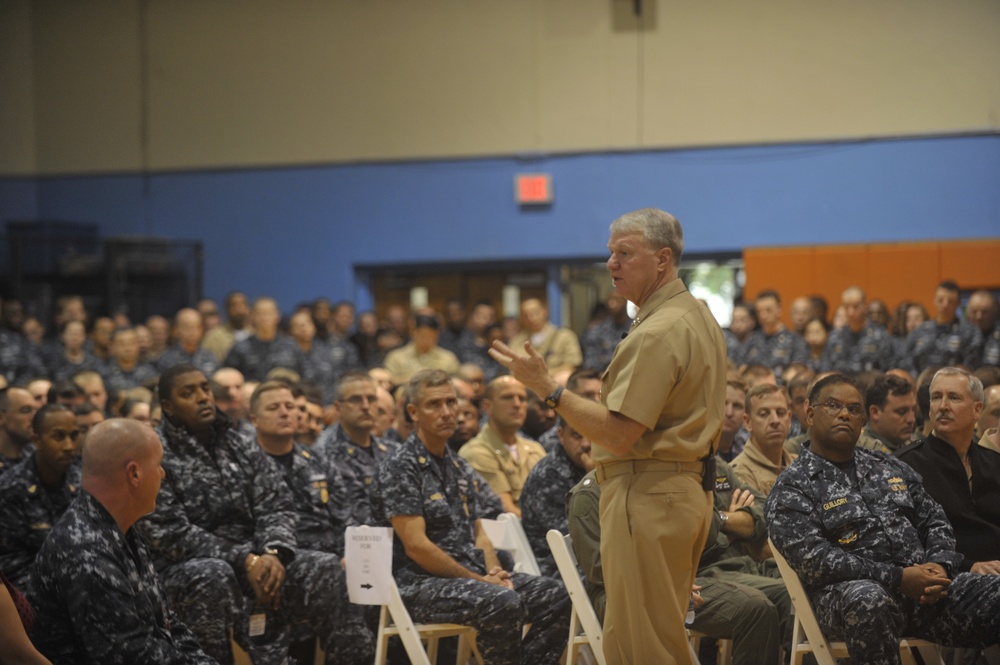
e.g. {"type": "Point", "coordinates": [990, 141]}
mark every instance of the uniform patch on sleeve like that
{"type": "Point", "coordinates": [896, 484]}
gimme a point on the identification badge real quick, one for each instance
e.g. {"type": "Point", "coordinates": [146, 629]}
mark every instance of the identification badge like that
{"type": "Point", "coordinates": [258, 624]}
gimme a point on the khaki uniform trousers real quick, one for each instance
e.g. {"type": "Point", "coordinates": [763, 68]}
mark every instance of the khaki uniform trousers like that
{"type": "Point", "coordinates": [655, 518]}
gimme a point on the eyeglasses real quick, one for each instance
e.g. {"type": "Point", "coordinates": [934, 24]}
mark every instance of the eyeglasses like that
{"type": "Point", "coordinates": [833, 408]}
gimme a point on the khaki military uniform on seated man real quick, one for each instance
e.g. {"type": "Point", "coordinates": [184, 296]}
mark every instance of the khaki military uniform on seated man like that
{"type": "Point", "coordinates": [891, 402]}
{"type": "Point", "coordinates": [35, 493]}
{"type": "Point", "coordinates": [560, 347]}
{"type": "Point", "coordinates": [421, 352]}
{"type": "Point", "coordinates": [744, 600]}
{"type": "Point", "coordinates": [443, 562]}
{"type": "Point", "coordinates": [97, 596]}
{"type": "Point", "coordinates": [767, 417]}
{"type": "Point", "coordinates": [500, 456]}
{"type": "Point", "coordinates": [874, 551]}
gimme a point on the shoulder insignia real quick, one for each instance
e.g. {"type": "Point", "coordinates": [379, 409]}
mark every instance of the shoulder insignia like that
{"type": "Point", "coordinates": [368, 481]}
{"type": "Point", "coordinates": [422, 459]}
{"type": "Point", "coordinates": [305, 453]}
{"type": "Point", "coordinates": [72, 487]}
{"type": "Point", "coordinates": [32, 489]}
{"type": "Point", "coordinates": [40, 526]}
{"type": "Point", "coordinates": [350, 450]}
{"type": "Point", "coordinates": [324, 495]}
{"type": "Point", "coordinates": [382, 447]}
{"type": "Point", "coordinates": [436, 496]}
{"type": "Point", "coordinates": [849, 538]}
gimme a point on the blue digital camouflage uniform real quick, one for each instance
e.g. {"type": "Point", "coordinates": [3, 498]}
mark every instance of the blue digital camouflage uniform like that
{"type": "Point", "coordinates": [324, 509]}
{"type": "Point", "coordinates": [871, 348]}
{"type": "Point", "coordinates": [599, 342]}
{"type": "Point", "coordinates": [60, 367]}
{"type": "Point", "coordinates": [849, 535]}
{"type": "Point", "coordinates": [116, 378]}
{"type": "Point", "coordinates": [735, 349]}
{"type": "Point", "coordinates": [202, 359]}
{"type": "Point", "coordinates": [956, 343]}
{"type": "Point", "coordinates": [28, 511]}
{"type": "Point", "coordinates": [549, 438]}
{"type": "Point", "coordinates": [98, 599]}
{"type": "Point", "coordinates": [776, 351]}
{"type": "Point", "coordinates": [360, 463]}
{"type": "Point", "coordinates": [328, 361]}
{"type": "Point", "coordinates": [412, 482]}
{"type": "Point", "coordinates": [461, 343]}
{"type": "Point", "coordinates": [255, 358]}
{"type": "Point", "coordinates": [543, 503]}
{"type": "Point", "coordinates": [218, 503]}
{"type": "Point", "coordinates": [18, 359]}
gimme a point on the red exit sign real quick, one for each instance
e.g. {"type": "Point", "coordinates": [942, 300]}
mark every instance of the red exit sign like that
{"type": "Point", "coordinates": [533, 188]}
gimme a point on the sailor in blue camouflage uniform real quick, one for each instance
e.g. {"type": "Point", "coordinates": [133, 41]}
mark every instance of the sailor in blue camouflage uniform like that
{"type": "Point", "coordinates": [189, 330]}
{"type": "Point", "coordinates": [443, 562]}
{"type": "Point", "coordinates": [944, 340]}
{"type": "Point", "coordinates": [543, 497]}
{"type": "Point", "coordinates": [267, 348]}
{"type": "Point", "coordinates": [874, 551]}
{"type": "Point", "coordinates": [125, 369]}
{"type": "Point", "coordinates": [223, 534]}
{"type": "Point", "coordinates": [861, 345]}
{"type": "Point", "coordinates": [772, 344]}
{"type": "Point", "coordinates": [350, 443]}
{"type": "Point", "coordinates": [322, 505]}
{"type": "Point", "coordinates": [17, 410]}
{"type": "Point", "coordinates": [599, 341]}
{"type": "Point", "coordinates": [983, 311]}
{"type": "Point", "coordinates": [98, 599]}
{"type": "Point", "coordinates": [37, 491]}
{"type": "Point", "coordinates": [18, 359]}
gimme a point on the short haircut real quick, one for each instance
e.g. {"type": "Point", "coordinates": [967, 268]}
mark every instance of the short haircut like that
{"type": "Point", "coordinates": [658, 228]}
{"type": "Point", "coordinates": [975, 385]}
{"type": "Point", "coordinates": [949, 285]}
{"type": "Point", "coordinates": [493, 385]}
{"type": "Point", "coordinates": [763, 390]}
{"type": "Point", "coordinates": [737, 384]}
{"type": "Point", "coordinates": [65, 389]}
{"type": "Point", "coordinates": [801, 381]}
{"type": "Point", "coordinates": [233, 295]}
{"type": "Point", "coordinates": [266, 387]}
{"type": "Point", "coordinates": [878, 392]}
{"type": "Point", "coordinates": [312, 392]}
{"type": "Point", "coordinates": [427, 378]}
{"type": "Point", "coordinates": [831, 380]}
{"type": "Point", "coordinates": [85, 374]}
{"type": "Point", "coordinates": [768, 293]}
{"type": "Point", "coordinates": [121, 330]}
{"type": "Point", "coordinates": [168, 379]}
{"type": "Point", "coordinates": [351, 377]}
{"type": "Point", "coordinates": [38, 420]}
{"type": "Point", "coordinates": [756, 370]}
{"type": "Point", "coordinates": [580, 375]}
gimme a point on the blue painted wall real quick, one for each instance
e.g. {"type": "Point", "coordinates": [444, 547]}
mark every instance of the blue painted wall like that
{"type": "Point", "coordinates": [296, 233]}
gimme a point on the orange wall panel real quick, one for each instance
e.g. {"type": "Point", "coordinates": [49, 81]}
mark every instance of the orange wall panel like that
{"type": "Point", "coordinates": [901, 272]}
{"type": "Point", "coordinates": [972, 263]}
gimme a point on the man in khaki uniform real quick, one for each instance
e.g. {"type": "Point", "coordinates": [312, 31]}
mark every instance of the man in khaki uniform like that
{"type": "Point", "coordinates": [560, 347]}
{"type": "Point", "coordinates": [422, 351]}
{"type": "Point", "coordinates": [500, 456]}
{"type": "Point", "coordinates": [663, 398]}
{"type": "Point", "coordinates": [768, 418]}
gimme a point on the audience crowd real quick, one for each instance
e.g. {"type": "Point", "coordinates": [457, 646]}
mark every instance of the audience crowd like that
{"type": "Point", "coordinates": [272, 435]}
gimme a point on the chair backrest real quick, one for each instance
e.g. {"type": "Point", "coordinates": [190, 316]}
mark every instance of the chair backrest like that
{"type": "Point", "coordinates": [583, 611]}
{"type": "Point", "coordinates": [507, 533]}
{"type": "Point", "coordinates": [804, 615]}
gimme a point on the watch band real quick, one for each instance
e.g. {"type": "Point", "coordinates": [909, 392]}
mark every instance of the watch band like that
{"type": "Point", "coordinates": [552, 401]}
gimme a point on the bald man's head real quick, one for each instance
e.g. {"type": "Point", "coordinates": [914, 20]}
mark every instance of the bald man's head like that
{"type": "Point", "coordinates": [112, 444]}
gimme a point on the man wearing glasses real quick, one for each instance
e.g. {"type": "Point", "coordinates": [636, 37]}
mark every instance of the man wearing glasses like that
{"type": "Point", "coordinates": [874, 551]}
{"type": "Point", "coordinates": [350, 443]}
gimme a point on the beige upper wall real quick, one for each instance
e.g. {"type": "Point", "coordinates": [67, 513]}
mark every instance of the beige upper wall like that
{"type": "Point", "coordinates": [17, 96]}
{"type": "Point", "coordinates": [216, 83]}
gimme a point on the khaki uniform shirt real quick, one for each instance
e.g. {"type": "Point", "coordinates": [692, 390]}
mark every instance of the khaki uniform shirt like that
{"type": "Point", "coordinates": [756, 470]}
{"type": "Point", "coordinates": [491, 458]}
{"type": "Point", "coordinates": [872, 440]}
{"type": "Point", "coordinates": [404, 362]}
{"type": "Point", "coordinates": [669, 374]}
{"type": "Point", "coordinates": [560, 347]}
{"type": "Point", "coordinates": [985, 441]}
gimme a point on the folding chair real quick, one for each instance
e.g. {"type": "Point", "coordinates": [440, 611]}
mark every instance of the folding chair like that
{"type": "Point", "coordinates": [583, 614]}
{"type": "Point", "coordinates": [507, 533]}
{"type": "Point", "coordinates": [807, 637]}
{"type": "Point", "coordinates": [241, 657]}
{"type": "Point", "coordinates": [394, 620]}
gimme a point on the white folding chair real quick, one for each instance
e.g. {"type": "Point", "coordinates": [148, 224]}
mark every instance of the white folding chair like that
{"type": "Point", "coordinates": [507, 533]}
{"type": "Point", "coordinates": [394, 620]}
{"type": "Point", "coordinates": [807, 637]}
{"type": "Point", "coordinates": [583, 614]}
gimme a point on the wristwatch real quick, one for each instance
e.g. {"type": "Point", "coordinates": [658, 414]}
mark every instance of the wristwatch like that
{"type": "Point", "coordinates": [552, 401]}
{"type": "Point", "coordinates": [723, 517]}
